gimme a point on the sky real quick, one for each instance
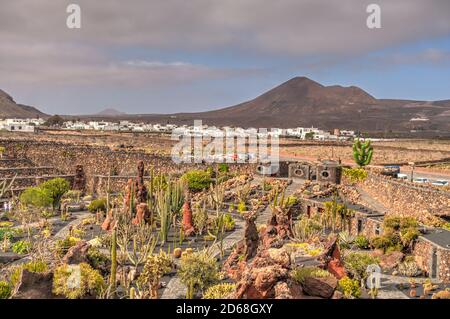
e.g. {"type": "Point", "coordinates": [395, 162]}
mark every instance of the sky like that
{"type": "Point", "coordinates": [168, 56]}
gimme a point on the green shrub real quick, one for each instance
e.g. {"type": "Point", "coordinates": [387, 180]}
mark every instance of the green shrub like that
{"type": "Point", "coordinates": [228, 221]}
{"type": "Point", "coordinates": [97, 205]}
{"type": "Point", "coordinates": [356, 264]}
{"type": "Point", "coordinates": [399, 223]}
{"type": "Point", "coordinates": [241, 207]}
{"type": "Point", "coordinates": [90, 281]}
{"type": "Point", "coordinates": [219, 291]}
{"type": "Point", "coordinates": [399, 233]}
{"type": "Point", "coordinates": [57, 188]}
{"type": "Point", "coordinates": [7, 233]}
{"type": "Point", "coordinates": [36, 266]}
{"type": "Point", "coordinates": [350, 287]}
{"type": "Point", "coordinates": [63, 245]}
{"type": "Point", "coordinates": [210, 170]}
{"type": "Point", "coordinates": [97, 259]}
{"type": "Point", "coordinates": [301, 273]}
{"type": "Point", "coordinates": [407, 236]}
{"type": "Point", "coordinates": [389, 242]}
{"type": "Point", "coordinates": [355, 175]}
{"type": "Point", "coordinates": [197, 180]}
{"type": "Point", "coordinates": [198, 271]}
{"type": "Point", "coordinates": [223, 168]}
{"type": "Point", "coordinates": [36, 197]}
{"type": "Point", "coordinates": [291, 201]}
{"type": "Point", "coordinates": [362, 242]}
{"type": "Point", "coordinates": [6, 224]}
{"type": "Point", "coordinates": [5, 290]}
{"type": "Point", "coordinates": [21, 247]}
{"type": "Point", "coordinates": [74, 195]}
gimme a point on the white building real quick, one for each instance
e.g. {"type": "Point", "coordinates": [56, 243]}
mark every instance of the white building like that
{"type": "Point", "coordinates": [20, 125]}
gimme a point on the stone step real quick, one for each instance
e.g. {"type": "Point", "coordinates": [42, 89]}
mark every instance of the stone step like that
{"type": "Point", "coordinates": [27, 171]}
{"type": "Point", "coordinates": [14, 162]}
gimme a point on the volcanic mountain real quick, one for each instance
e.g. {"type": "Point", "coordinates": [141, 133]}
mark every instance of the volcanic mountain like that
{"type": "Point", "coordinates": [297, 102]}
{"type": "Point", "coordinates": [10, 109]}
{"type": "Point", "coordinates": [305, 103]}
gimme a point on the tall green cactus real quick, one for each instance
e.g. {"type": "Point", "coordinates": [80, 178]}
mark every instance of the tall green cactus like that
{"type": "Point", "coordinates": [164, 209]}
{"type": "Point", "coordinates": [113, 281]}
{"type": "Point", "coordinates": [362, 152]}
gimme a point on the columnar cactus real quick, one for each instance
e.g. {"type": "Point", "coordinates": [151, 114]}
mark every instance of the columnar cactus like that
{"type": "Point", "coordinates": [362, 152]}
{"type": "Point", "coordinates": [113, 259]}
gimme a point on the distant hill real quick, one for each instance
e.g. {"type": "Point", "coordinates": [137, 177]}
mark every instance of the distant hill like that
{"type": "Point", "coordinates": [10, 109]}
{"type": "Point", "coordinates": [297, 102]}
{"type": "Point", "coordinates": [304, 102]}
{"type": "Point", "coordinates": [110, 112]}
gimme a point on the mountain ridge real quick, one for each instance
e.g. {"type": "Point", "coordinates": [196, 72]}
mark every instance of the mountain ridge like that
{"type": "Point", "coordinates": [10, 109]}
{"type": "Point", "coordinates": [302, 102]}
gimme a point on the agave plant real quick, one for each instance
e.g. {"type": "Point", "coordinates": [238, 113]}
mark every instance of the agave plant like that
{"type": "Point", "coordinates": [346, 240]}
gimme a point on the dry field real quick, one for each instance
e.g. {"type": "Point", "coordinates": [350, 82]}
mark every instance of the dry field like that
{"type": "Point", "coordinates": [399, 151]}
{"type": "Point", "coordinates": [151, 143]}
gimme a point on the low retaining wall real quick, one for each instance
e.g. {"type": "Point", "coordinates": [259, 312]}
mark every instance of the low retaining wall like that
{"type": "Point", "coordinates": [404, 199]}
{"type": "Point", "coordinates": [423, 254]}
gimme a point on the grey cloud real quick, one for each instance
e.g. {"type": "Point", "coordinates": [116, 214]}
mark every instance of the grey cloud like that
{"type": "Point", "coordinates": [38, 49]}
{"type": "Point", "coordinates": [285, 26]}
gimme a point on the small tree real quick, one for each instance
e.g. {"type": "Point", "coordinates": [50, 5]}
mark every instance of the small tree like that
{"type": "Point", "coordinates": [2, 150]}
{"type": "Point", "coordinates": [54, 120]}
{"type": "Point", "coordinates": [57, 188]}
{"type": "Point", "coordinates": [309, 136]}
{"type": "Point", "coordinates": [36, 197]}
{"type": "Point", "coordinates": [362, 152]}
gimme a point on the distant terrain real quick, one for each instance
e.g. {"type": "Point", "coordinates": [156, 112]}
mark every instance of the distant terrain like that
{"type": "Point", "coordinates": [304, 102]}
{"type": "Point", "coordinates": [10, 109]}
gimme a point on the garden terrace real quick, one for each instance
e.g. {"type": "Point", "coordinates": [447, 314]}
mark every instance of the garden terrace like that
{"type": "Point", "coordinates": [95, 159]}
{"type": "Point", "coordinates": [27, 171]}
{"type": "Point", "coordinates": [15, 162]}
{"type": "Point", "coordinates": [22, 182]}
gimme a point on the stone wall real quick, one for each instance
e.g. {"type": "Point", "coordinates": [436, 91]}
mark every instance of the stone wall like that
{"type": "Point", "coordinates": [117, 184]}
{"type": "Point", "coordinates": [98, 160]}
{"type": "Point", "coordinates": [14, 162]}
{"type": "Point", "coordinates": [423, 255]}
{"type": "Point", "coordinates": [368, 227]}
{"type": "Point", "coordinates": [405, 199]}
{"type": "Point", "coordinates": [20, 183]}
{"type": "Point", "coordinates": [444, 265]}
{"type": "Point", "coordinates": [27, 171]}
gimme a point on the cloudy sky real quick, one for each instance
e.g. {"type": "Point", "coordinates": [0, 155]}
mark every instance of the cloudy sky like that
{"type": "Point", "coordinates": [164, 56]}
